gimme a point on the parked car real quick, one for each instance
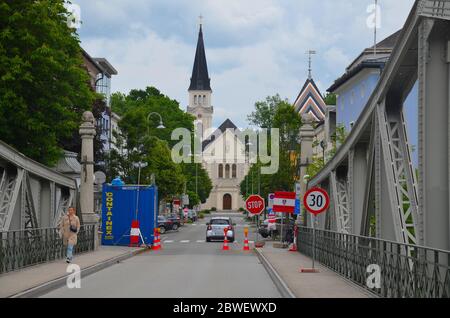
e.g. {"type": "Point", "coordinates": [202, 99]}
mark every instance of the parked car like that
{"type": "Point", "coordinates": [267, 228]}
{"type": "Point", "coordinates": [166, 225]}
{"type": "Point", "coordinates": [216, 229]}
{"type": "Point", "coordinates": [176, 220]}
{"type": "Point", "coordinates": [192, 215]}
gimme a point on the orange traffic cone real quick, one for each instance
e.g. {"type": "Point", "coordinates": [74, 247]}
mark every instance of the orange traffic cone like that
{"type": "Point", "coordinates": [246, 246]}
{"type": "Point", "coordinates": [293, 247]}
{"type": "Point", "coordinates": [225, 242]}
{"type": "Point", "coordinates": [156, 242]}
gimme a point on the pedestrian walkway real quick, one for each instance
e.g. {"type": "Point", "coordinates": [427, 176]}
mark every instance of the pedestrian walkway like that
{"type": "Point", "coordinates": [201, 241]}
{"type": "Point", "coordinates": [19, 282]}
{"type": "Point", "coordinates": [325, 284]}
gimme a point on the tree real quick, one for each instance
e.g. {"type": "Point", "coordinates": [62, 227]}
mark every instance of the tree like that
{"type": "Point", "coordinates": [330, 99]}
{"type": "Point", "coordinates": [264, 113]}
{"type": "Point", "coordinates": [138, 104]}
{"type": "Point", "coordinates": [203, 182]}
{"type": "Point", "coordinates": [44, 88]}
{"type": "Point", "coordinates": [318, 163]}
{"type": "Point", "coordinates": [168, 175]}
{"type": "Point", "coordinates": [288, 121]}
{"type": "Point", "coordinates": [155, 147]}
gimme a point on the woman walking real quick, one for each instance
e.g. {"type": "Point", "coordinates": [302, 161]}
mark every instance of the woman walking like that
{"type": "Point", "coordinates": [69, 227]}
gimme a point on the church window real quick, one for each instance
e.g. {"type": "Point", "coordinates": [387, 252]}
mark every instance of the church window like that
{"type": "Point", "coordinates": [227, 172]}
{"type": "Point", "coordinates": [195, 99]}
{"type": "Point", "coordinates": [234, 171]}
{"type": "Point", "coordinates": [220, 171]}
{"type": "Point", "coordinates": [204, 99]}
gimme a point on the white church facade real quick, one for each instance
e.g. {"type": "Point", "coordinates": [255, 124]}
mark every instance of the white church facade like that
{"type": "Point", "coordinates": [223, 152]}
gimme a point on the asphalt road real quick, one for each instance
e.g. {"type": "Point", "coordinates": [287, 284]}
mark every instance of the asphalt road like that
{"type": "Point", "coordinates": [186, 267]}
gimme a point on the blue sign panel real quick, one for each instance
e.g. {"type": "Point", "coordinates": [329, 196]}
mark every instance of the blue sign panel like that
{"type": "Point", "coordinates": [298, 207]}
{"type": "Point", "coordinates": [119, 210]}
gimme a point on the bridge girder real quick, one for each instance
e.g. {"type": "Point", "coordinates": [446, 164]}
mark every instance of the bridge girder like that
{"type": "Point", "coordinates": [381, 180]}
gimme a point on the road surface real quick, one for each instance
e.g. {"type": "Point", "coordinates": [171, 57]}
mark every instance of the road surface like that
{"type": "Point", "coordinates": [186, 267]}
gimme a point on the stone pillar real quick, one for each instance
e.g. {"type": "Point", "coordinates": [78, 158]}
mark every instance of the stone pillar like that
{"type": "Point", "coordinates": [87, 134]}
{"type": "Point", "coordinates": [307, 135]}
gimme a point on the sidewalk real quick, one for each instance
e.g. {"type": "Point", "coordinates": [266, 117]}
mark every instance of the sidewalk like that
{"type": "Point", "coordinates": [30, 280]}
{"type": "Point", "coordinates": [325, 284]}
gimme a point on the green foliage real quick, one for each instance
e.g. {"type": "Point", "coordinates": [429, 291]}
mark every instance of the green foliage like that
{"type": "Point", "coordinates": [264, 113]}
{"type": "Point", "coordinates": [138, 104]}
{"type": "Point", "coordinates": [168, 175]}
{"type": "Point", "coordinates": [318, 162]}
{"type": "Point", "coordinates": [197, 177]}
{"type": "Point", "coordinates": [43, 87]}
{"type": "Point", "coordinates": [155, 147]}
{"type": "Point", "coordinates": [288, 121]}
{"type": "Point", "coordinates": [330, 99]}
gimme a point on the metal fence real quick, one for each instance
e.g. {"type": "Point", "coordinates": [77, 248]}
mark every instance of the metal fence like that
{"type": "Point", "coordinates": [19, 249]}
{"type": "Point", "coordinates": [386, 268]}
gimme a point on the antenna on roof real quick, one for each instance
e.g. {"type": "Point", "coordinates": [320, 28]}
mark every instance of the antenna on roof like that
{"type": "Point", "coordinates": [310, 53]}
{"type": "Point", "coordinates": [375, 30]}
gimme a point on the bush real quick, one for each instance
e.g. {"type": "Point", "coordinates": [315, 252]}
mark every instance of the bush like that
{"type": "Point", "coordinates": [189, 221]}
{"type": "Point", "coordinates": [241, 210]}
{"type": "Point", "coordinates": [201, 216]}
{"type": "Point", "coordinates": [214, 209]}
{"type": "Point", "coordinates": [206, 212]}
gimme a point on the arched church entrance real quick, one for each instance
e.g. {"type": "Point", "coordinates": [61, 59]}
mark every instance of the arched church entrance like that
{"type": "Point", "coordinates": [227, 202]}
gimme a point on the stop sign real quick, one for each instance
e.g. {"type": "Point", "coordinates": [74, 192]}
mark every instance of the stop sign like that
{"type": "Point", "coordinates": [255, 204]}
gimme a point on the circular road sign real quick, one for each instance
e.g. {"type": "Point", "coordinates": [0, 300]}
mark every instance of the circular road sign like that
{"type": "Point", "coordinates": [316, 201]}
{"type": "Point", "coordinates": [255, 204]}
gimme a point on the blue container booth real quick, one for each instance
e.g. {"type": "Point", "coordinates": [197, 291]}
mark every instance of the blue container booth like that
{"type": "Point", "coordinates": [119, 210]}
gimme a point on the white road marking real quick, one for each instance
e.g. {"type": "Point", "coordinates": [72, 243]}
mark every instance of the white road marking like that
{"type": "Point", "coordinates": [168, 241]}
{"type": "Point", "coordinates": [185, 241]}
{"type": "Point", "coordinates": [201, 241]}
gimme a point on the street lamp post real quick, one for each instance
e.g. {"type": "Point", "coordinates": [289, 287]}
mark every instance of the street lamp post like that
{"type": "Point", "coordinates": [160, 126]}
{"type": "Point", "coordinates": [139, 165]}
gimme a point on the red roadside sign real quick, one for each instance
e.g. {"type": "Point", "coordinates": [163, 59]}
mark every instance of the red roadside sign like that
{"type": "Point", "coordinates": [284, 202]}
{"type": "Point", "coordinates": [255, 205]}
{"type": "Point", "coordinates": [316, 201]}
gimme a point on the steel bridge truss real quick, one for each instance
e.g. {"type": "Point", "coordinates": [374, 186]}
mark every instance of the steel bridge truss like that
{"type": "Point", "coordinates": [375, 189]}
{"type": "Point", "coordinates": [31, 195]}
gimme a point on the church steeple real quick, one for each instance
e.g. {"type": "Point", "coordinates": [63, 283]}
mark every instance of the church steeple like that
{"type": "Point", "coordinates": [200, 80]}
{"type": "Point", "coordinates": [200, 92]}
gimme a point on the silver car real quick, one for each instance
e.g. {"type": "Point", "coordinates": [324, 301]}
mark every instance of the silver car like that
{"type": "Point", "coordinates": [216, 229]}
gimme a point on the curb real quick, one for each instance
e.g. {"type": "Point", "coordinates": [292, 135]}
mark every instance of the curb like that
{"type": "Point", "coordinates": [282, 287]}
{"type": "Point", "coordinates": [61, 281]}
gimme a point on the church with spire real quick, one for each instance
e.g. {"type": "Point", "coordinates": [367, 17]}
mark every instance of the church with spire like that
{"type": "Point", "coordinates": [223, 154]}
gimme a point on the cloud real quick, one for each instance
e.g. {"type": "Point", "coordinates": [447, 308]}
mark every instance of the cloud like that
{"type": "Point", "coordinates": [255, 48]}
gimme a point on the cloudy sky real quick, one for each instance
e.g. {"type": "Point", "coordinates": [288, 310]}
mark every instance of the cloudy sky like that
{"type": "Point", "coordinates": [255, 48]}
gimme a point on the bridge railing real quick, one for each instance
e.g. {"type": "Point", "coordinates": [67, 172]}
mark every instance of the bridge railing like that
{"type": "Point", "coordinates": [20, 249]}
{"type": "Point", "coordinates": [385, 268]}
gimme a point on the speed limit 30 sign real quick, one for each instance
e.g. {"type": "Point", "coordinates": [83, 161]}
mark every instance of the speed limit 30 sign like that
{"type": "Point", "coordinates": [316, 201]}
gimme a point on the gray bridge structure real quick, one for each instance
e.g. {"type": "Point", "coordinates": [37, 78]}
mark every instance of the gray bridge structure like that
{"type": "Point", "coordinates": [31, 195]}
{"type": "Point", "coordinates": [375, 189]}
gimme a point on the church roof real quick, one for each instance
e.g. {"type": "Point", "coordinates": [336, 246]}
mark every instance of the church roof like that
{"type": "Point", "coordinates": [310, 101]}
{"type": "Point", "coordinates": [227, 124]}
{"type": "Point", "coordinates": [200, 78]}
